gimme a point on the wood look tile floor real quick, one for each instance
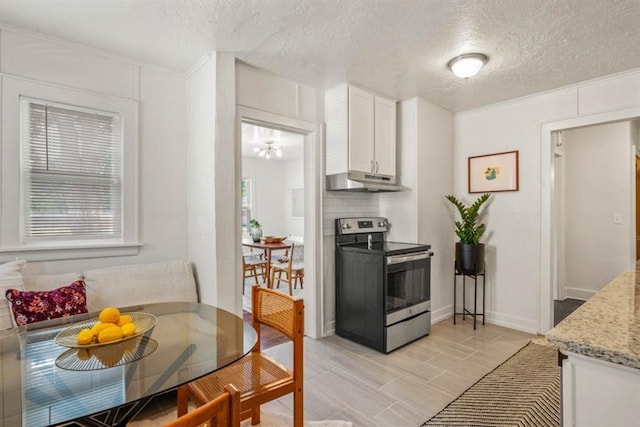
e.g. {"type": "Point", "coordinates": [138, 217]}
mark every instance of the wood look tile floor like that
{"type": "Point", "coordinates": [346, 381]}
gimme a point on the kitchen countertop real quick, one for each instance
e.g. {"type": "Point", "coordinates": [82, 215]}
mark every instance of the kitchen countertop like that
{"type": "Point", "coordinates": [607, 326]}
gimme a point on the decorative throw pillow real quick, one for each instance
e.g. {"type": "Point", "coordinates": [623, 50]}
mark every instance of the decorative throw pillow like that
{"type": "Point", "coordinates": [36, 306]}
{"type": "Point", "coordinates": [10, 278]}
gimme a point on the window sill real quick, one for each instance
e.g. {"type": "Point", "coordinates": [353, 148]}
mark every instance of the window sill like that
{"type": "Point", "coordinates": [57, 253]}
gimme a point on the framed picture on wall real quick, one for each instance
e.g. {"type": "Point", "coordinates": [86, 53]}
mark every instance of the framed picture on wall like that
{"type": "Point", "coordinates": [493, 172]}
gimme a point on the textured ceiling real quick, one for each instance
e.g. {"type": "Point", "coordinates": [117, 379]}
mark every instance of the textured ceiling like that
{"type": "Point", "coordinates": [397, 47]}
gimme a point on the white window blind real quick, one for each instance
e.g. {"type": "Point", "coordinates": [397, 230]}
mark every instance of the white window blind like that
{"type": "Point", "coordinates": [72, 173]}
{"type": "Point", "coordinates": [246, 195]}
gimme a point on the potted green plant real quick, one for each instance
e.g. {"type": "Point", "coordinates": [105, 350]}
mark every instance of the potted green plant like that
{"type": "Point", "coordinates": [469, 250]}
{"type": "Point", "coordinates": [255, 230]}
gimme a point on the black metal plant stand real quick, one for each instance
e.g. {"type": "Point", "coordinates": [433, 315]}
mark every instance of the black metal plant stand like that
{"type": "Point", "coordinates": [464, 295]}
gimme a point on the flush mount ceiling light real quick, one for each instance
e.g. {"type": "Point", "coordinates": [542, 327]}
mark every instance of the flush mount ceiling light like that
{"type": "Point", "coordinates": [268, 150]}
{"type": "Point", "coordinates": [468, 65]}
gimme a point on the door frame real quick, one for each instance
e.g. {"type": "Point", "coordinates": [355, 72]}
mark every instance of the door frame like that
{"type": "Point", "coordinates": [312, 132]}
{"type": "Point", "coordinates": [559, 226]}
{"type": "Point", "coordinates": [549, 240]}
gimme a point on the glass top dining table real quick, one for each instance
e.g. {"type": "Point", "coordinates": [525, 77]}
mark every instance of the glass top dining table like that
{"type": "Point", "coordinates": [44, 383]}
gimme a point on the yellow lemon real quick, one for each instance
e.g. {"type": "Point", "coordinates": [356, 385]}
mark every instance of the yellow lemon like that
{"type": "Point", "coordinates": [128, 329]}
{"type": "Point", "coordinates": [85, 336]}
{"type": "Point", "coordinates": [112, 333]}
{"type": "Point", "coordinates": [109, 315]}
{"type": "Point", "coordinates": [99, 327]}
{"type": "Point", "coordinates": [124, 319]}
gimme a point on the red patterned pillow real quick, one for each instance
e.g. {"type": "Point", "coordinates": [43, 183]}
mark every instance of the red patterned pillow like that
{"type": "Point", "coordinates": [29, 307]}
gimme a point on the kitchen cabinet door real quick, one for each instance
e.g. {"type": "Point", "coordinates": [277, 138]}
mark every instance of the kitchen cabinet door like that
{"type": "Point", "coordinates": [360, 130]}
{"type": "Point", "coordinates": [385, 137]}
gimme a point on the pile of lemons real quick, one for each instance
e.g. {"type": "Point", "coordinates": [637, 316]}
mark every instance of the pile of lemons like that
{"type": "Point", "coordinates": [112, 326]}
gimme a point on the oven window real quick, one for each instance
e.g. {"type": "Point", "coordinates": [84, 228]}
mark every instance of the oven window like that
{"type": "Point", "coordinates": [407, 284]}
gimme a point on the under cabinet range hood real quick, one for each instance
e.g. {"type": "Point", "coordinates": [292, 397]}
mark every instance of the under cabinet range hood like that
{"type": "Point", "coordinates": [361, 182]}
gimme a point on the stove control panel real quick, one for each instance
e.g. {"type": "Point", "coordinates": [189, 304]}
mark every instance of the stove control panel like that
{"type": "Point", "coordinates": [362, 225]}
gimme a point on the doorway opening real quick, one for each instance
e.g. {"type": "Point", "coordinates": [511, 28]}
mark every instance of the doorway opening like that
{"type": "Point", "coordinates": [272, 197]}
{"type": "Point", "coordinates": [300, 211]}
{"type": "Point", "coordinates": [589, 210]}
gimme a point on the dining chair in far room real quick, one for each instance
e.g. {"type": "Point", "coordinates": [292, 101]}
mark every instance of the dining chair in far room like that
{"type": "Point", "coordinates": [259, 378]}
{"type": "Point", "coordinates": [223, 411]}
{"type": "Point", "coordinates": [292, 267]}
{"type": "Point", "coordinates": [253, 265]}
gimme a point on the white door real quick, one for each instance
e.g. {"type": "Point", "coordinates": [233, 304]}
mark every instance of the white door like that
{"type": "Point", "coordinates": [385, 136]}
{"type": "Point", "coordinates": [360, 130]}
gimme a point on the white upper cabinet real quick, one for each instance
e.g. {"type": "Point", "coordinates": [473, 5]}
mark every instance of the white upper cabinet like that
{"type": "Point", "coordinates": [361, 132]}
{"type": "Point", "coordinates": [361, 128]}
{"type": "Point", "coordinates": [385, 136]}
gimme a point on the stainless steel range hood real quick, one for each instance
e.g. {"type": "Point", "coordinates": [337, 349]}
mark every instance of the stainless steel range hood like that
{"type": "Point", "coordinates": [361, 182]}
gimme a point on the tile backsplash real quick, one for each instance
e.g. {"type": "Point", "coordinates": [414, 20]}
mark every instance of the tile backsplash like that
{"type": "Point", "coordinates": [342, 204]}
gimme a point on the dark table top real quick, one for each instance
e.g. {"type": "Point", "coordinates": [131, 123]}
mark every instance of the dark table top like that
{"type": "Point", "coordinates": [192, 340]}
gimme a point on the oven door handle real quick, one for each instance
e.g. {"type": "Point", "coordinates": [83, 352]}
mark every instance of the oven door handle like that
{"type": "Point", "coordinates": [398, 259]}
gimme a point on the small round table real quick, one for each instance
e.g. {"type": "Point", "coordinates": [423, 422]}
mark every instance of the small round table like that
{"type": "Point", "coordinates": [192, 340]}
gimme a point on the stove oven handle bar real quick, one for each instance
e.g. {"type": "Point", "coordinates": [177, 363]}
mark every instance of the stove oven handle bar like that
{"type": "Point", "coordinates": [397, 259]}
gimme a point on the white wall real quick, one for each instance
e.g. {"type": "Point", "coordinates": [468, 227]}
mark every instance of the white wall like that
{"type": "Point", "coordinates": [201, 174]}
{"type": "Point", "coordinates": [272, 182]}
{"type": "Point", "coordinates": [435, 180]}
{"type": "Point", "coordinates": [293, 179]}
{"type": "Point", "coordinates": [162, 134]}
{"type": "Point", "coordinates": [401, 208]}
{"type": "Point", "coordinates": [513, 218]}
{"type": "Point", "coordinates": [518, 248]}
{"type": "Point", "coordinates": [214, 174]}
{"type": "Point", "coordinates": [597, 188]}
{"type": "Point", "coordinates": [267, 178]}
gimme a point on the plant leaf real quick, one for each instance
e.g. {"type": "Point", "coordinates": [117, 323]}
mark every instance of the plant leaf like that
{"type": "Point", "coordinates": [468, 230]}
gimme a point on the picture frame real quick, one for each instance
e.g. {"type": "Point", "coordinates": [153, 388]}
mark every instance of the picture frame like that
{"type": "Point", "coordinates": [495, 172]}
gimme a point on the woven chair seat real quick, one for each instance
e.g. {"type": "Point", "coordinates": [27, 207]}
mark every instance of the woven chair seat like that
{"type": "Point", "coordinates": [251, 373]}
{"type": "Point", "coordinates": [254, 260]}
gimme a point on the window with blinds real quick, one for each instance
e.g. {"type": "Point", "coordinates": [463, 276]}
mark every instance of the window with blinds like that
{"type": "Point", "coordinates": [71, 173]}
{"type": "Point", "coordinates": [245, 193]}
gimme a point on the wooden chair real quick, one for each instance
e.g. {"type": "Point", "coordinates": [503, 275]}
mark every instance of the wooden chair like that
{"type": "Point", "coordinates": [259, 378]}
{"type": "Point", "coordinates": [292, 267]}
{"type": "Point", "coordinates": [223, 411]}
{"type": "Point", "coordinates": [253, 265]}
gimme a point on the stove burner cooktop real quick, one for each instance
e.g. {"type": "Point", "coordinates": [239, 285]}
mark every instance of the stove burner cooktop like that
{"type": "Point", "coordinates": [386, 248]}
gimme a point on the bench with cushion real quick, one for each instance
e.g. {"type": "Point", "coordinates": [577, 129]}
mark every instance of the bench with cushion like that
{"type": "Point", "coordinates": [62, 294]}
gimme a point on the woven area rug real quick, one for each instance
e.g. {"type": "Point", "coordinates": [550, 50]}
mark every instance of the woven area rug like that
{"type": "Point", "coordinates": [523, 391]}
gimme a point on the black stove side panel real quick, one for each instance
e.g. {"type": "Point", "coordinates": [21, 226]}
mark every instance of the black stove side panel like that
{"type": "Point", "coordinates": [360, 298]}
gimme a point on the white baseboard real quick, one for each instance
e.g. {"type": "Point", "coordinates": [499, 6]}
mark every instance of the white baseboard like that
{"type": "Point", "coordinates": [577, 293]}
{"type": "Point", "coordinates": [513, 322]}
{"type": "Point", "coordinates": [329, 328]}
{"type": "Point", "coordinates": [505, 320]}
{"type": "Point", "coordinates": [441, 314]}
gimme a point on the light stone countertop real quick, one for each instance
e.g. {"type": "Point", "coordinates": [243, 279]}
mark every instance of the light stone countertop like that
{"type": "Point", "coordinates": [607, 326]}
